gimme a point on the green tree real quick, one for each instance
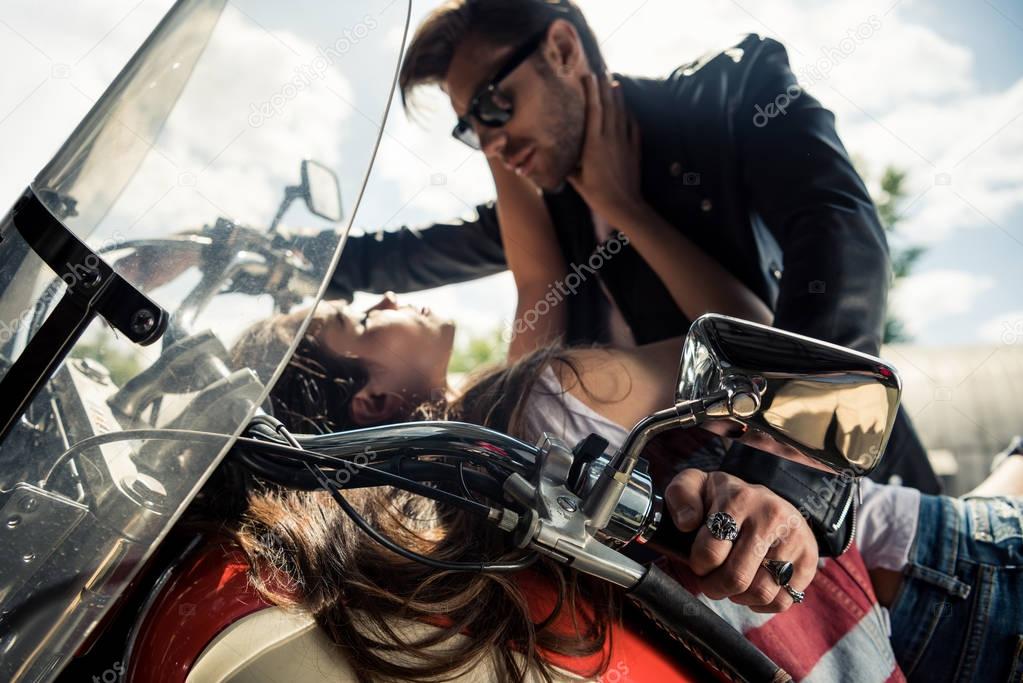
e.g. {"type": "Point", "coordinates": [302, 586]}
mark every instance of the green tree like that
{"type": "Point", "coordinates": [904, 257]}
{"type": "Point", "coordinates": [479, 351]}
{"type": "Point", "coordinates": [122, 364]}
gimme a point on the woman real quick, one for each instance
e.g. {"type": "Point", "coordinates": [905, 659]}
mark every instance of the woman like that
{"type": "Point", "coordinates": [925, 554]}
{"type": "Point", "coordinates": [356, 369]}
{"type": "Point", "coordinates": [389, 364]}
{"type": "Point", "coordinates": [573, 393]}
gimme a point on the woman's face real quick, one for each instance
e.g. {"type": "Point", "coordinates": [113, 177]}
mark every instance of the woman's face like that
{"type": "Point", "coordinates": [407, 349]}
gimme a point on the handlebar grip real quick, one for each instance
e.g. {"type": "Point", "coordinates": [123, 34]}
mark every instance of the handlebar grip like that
{"type": "Point", "coordinates": [668, 540]}
{"type": "Point", "coordinates": [709, 637]}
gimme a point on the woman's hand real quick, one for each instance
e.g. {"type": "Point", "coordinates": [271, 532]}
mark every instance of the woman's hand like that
{"type": "Point", "coordinates": [769, 528]}
{"type": "Point", "coordinates": [609, 177]}
{"type": "Point", "coordinates": [609, 180]}
{"type": "Point", "coordinates": [535, 260]}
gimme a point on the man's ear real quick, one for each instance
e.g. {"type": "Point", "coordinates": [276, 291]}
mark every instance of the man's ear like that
{"type": "Point", "coordinates": [371, 408]}
{"type": "Point", "coordinates": [565, 47]}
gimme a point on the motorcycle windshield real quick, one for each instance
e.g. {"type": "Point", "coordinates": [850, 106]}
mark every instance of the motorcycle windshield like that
{"type": "Point", "coordinates": [217, 176]}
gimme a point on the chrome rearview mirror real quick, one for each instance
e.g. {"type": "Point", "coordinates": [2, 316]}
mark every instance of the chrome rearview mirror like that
{"type": "Point", "coordinates": [830, 403]}
{"type": "Point", "coordinates": [322, 191]}
{"type": "Point", "coordinates": [749, 381]}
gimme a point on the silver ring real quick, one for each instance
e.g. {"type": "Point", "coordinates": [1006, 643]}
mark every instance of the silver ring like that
{"type": "Point", "coordinates": [723, 526]}
{"type": "Point", "coordinates": [780, 570]}
{"type": "Point", "coordinates": [797, 596]}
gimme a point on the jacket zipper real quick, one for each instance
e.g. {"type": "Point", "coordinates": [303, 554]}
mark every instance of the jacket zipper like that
{"type": "Point", "coordinates": [855, 505]}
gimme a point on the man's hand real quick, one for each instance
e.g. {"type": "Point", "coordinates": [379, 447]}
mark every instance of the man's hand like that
{"type": "Point", "coordinates": [769, 528]}
{"type": "Point", "coordinates": [609, 178]}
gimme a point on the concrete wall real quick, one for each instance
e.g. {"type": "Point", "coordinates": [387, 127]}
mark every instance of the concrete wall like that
{"type": "Point", "coordinates": [966, 403]}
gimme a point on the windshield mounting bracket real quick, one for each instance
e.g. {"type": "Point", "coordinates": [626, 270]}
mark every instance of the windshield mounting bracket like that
{"type": "Point", "coordinates": [93, 288]}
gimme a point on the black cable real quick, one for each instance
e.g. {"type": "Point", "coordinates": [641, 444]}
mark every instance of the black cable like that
{"type": "Point", "coordinates": [469, 448]}
{"type": "Point", "coordinates": [425, 472]}
{"type": "Point", "coordinates": [304, 456]}
{"type": "Point", "coordinates": [478, 567]}
{"type": "Point", "coordinates": [411, 486]}
{"type": "Point", "coordinates": [132, 435]}
{"type": "Point", "coordinates": [296, 454]}
{"type": "Point", "coordinates": [428, 472]}
{"type": "Point", "coordinates": [282, 475]}
{"type": "Point", "coordinates": [283, 431]}
{"type": "Point", "coordinates": [496, 469]}
{"type": "Point", "coordinates": [270, 427]}
{"type": "Point", "coordinates": [380, 476]}
{"type": "Point", "coordinates": [461, 480]}
{"type": "Point", "coordinates": [187, 435]}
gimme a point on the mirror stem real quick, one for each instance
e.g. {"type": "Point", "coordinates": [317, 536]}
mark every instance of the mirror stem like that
{"type": "Point", "coordinates": [614, 479]}
{"type": "Point", "coordinates": [290, 195]}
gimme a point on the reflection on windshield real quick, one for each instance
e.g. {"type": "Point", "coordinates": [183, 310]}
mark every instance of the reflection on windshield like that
{"type": "Point", "coordinates": [212, 125]}
{"type": "Point", "coordinates": [89, 172]}
{"type": "Point", "coordinates": [175, 179]}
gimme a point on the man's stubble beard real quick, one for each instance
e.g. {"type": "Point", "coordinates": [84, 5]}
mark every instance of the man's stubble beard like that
{"type": "Point", "coordinates": [567, 124]}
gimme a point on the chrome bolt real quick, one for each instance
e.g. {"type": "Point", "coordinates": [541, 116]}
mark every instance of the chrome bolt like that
{"type": "Point", "coordinates": [745, 405]}
{"type": "Point", "coordinates": [143, 321]}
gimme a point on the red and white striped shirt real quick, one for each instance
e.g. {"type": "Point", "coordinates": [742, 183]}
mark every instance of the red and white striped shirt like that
{"type": "Point", "coordinates": [840, 633]}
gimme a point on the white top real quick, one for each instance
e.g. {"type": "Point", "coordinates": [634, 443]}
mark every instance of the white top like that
{"type": "Point", "coordinates": [887, 525]}
{"type": "Point", "coordinates": [887, 518]}
{"type": "Point", "coordinates": [552, 409]}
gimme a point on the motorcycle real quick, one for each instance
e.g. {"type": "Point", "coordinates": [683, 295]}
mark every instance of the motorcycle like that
{"type": "Point", "coordinates": [119, 397]}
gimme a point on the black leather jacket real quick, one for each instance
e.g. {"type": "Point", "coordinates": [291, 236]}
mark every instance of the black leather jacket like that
{"type": "Point", "coordinates": [748, 166]}
{"type": "Point", "coordinates": [775, 200]}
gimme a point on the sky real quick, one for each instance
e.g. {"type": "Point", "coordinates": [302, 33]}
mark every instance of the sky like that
{"type": "Point", "coordinates": [934, 87]}
{"type": "Point", "coordinates": [216, 122]}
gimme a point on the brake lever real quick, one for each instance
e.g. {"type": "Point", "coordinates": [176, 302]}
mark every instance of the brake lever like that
{"type": "Point", "coordinates": [556, 523]}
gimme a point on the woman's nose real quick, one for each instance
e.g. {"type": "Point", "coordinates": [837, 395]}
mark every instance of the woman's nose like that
{"type": "Point", "coordinates": [388, 303]}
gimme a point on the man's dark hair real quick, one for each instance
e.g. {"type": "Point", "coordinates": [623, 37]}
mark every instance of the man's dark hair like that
{"type": "Point", "coordinates": [501, 23]}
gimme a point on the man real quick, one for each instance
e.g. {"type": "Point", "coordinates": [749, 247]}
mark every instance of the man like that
{"type": "Point", "coordinates": [767, 190]}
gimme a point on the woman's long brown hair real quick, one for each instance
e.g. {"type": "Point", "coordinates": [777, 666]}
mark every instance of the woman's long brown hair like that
{"type": "Point", "coordinates": [305, 552]}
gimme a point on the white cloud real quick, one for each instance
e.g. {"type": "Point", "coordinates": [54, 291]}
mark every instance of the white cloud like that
{"type": "Point", "coordinates": [929, 67]}
{"type": "Point", "coordinates": [922, 299]}
{"type": "Point", "coordinates": [50, 53]}
{"type": "Point", "coordinates": [963, 158]}
{"type": "Point", "coordinates": [1006, 328]}
{"type": "Point", "coordinates": [210, 159]}
{"type": "Point", "coordinates": [905, 95]}
{"type": "Point", "coordinates": [441, 176]}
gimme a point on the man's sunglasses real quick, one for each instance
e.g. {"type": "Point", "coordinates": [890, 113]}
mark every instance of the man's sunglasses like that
{"type": "Point", "coordinates": [485, 106]}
